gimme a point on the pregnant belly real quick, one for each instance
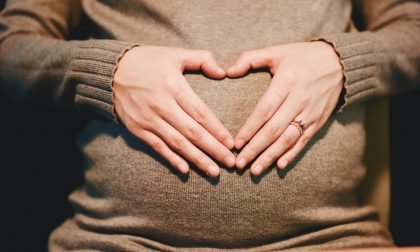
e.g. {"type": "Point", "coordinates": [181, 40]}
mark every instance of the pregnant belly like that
{"type": "Point", "coordinates": [130, 189]}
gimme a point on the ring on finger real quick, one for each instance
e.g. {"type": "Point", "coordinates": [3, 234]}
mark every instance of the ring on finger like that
{"type": "Point", "coordinates": [299, 125]}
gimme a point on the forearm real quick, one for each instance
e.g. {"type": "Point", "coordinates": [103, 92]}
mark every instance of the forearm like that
{"type": "Point", "coordinates": [39, 61]}
{"type": "Point", "coordinates": [61, 72]}
{"type": "Point", "coordinates": [382, 59]}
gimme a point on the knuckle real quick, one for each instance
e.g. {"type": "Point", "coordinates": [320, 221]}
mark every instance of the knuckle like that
{"type": "Point", "coordinates": [157, 146]}
{"type": "Point", "coordinates": [177, 144]}
{"type": "Point", "coordinates": [155, 106]}
{"type": "Point", "coordinates": [148, 119]}
{"type": "Point", "coordinates": [288, 139]}
{"type": "Point", "coordinates": [173, 88]}
{"type": "Point", "coordinates": [130, 123]}
{"type": "Point", "coordinates": [268, 158]}
{"type": "Point", "coordinates": [273, 132]}
{"type": "Point", "coordinates": [168, 80]}
{"type": "Point", "coordinates": [170, 83]}
{"type": "Point", "coordinates": [200, 114]}
{"type": "Point", "coordinates": [278, 92]}
{"type": "Point", "coordinates": [141, 134]}
{"type": "Point", "coordinates": [198, 161]}
{"type": "Point", "coordinates": [301, 94]}
{"type": "Point", "coordinates": [149, 124]}
{"type": "Point", "coordinates": [265, 111]}
{"type": "Point", "coordinates": [252, 152]}
{"type": "Point", "coordinates": [178, 94]}
{"type": "Point", "coordinates": [305, 100]}
{"type": "Point", "coordinates": [193, 134]}
{"type": "Point", "coordinates": [133, 123]}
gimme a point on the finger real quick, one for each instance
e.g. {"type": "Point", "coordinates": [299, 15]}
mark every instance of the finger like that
{"type": "Point", "coordinates": [203, 60]}
{"type": "Point", "coordinates": [189, 101]}
{"type": "Point", "coordinates": [181, 145]}
{"type": "Point", "coordinates": [162, 149]}
{"type": "Point", "coordinates": [265, 108]}
{"type": "Point", "coordinates": [196, 134]}
{"type": "Point", "coordinates": [292, 153]}
{"type": "Point", "coordinates": [254, 59]}
{"type": "Point", "coordinates": [270, 132]}
{"type": "Point", "coordinates": [286, 141]}
{"type": "Point", "coordinates": [289, 137]}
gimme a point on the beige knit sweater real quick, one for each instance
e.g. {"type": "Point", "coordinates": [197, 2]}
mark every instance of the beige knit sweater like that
{"type": "Point", "coordinates": [65, 52]}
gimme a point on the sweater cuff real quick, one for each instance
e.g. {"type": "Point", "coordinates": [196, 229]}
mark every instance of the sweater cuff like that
{"type": "Point", "coordinates": [92, 70]}
{"type": "Point", "coordinates": [356, 56]}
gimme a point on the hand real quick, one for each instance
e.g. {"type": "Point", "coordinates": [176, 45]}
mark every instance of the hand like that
{"type": "Point", "coordinates": [155, 103]}
{"type": "Point", "coordinates": [306, 85]}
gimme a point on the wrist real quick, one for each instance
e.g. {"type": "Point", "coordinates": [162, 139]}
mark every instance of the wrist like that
{"type": "Point", "coordinates": [335, 59]}
{"type": "Point", "coordinates": [117, 78]}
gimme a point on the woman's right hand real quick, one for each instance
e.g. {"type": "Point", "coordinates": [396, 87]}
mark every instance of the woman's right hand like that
{"type": "Point", "coordinates": [156, 104]}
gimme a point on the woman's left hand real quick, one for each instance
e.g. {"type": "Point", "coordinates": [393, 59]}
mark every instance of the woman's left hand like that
{"type": "Point", "coordinates": [306, 85]}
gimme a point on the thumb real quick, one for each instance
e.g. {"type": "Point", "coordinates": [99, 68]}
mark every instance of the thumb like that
{"type": "Point", "coordinates": [254, 59]}
{"type": "Point", "coordinates": [203, 60]}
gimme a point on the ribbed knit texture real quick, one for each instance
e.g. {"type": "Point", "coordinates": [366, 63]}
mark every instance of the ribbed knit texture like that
{"type": "Point", "coordinates": [132, 200]}
{"type": "Point", "coordinates": [93, 68]}
{"type": "Point", "coordinates": [358, 62]}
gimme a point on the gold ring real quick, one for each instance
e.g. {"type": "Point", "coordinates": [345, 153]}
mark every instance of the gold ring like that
{"type": "Point", "coordinates": [299, 125]}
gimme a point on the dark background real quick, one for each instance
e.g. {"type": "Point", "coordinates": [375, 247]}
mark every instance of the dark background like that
{"type": "Point", "coordinates": [405, 168]}
{"type": "Point", "coordinates": [40, 166]}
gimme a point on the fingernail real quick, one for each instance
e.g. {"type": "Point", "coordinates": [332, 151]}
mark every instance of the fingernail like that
{"type": "Point", "coordinates": [241, 163]}
{"type": "Point", "coordinates": [230, 143]}
{"type": "Point", "coordinates": [283, 164]}
{"type": "Point", "coordinates": [230, 160]}
{"type": "Point", "coordinates": [183, 168]}
{"type": "Point", "coordinates": [213, 170]}
{"type": "Point", "coordinates": [240, 143]}
{"type": "Point", "coordinates": [257, 169]}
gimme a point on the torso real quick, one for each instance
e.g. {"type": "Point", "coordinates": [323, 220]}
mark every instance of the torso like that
{"type": "Point", "coordinates": [130, 190]}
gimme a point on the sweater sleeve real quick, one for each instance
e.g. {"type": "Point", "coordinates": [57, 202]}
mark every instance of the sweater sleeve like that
{"type": "Point", "coordinates": [40, 62]}
{"type": "Point", "coordinates": [383, 58]}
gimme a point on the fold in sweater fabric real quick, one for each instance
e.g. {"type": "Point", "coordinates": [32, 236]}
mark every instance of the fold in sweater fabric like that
{"type": "Point", "coordinates": [65, 53]}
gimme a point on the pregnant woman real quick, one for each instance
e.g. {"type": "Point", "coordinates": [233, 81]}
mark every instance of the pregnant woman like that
{"type": "Point", "coordinates": [218, 125]}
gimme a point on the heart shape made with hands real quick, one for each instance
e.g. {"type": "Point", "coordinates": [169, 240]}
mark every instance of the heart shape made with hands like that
{"type": "Point", "coordinates": [157, 103]}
